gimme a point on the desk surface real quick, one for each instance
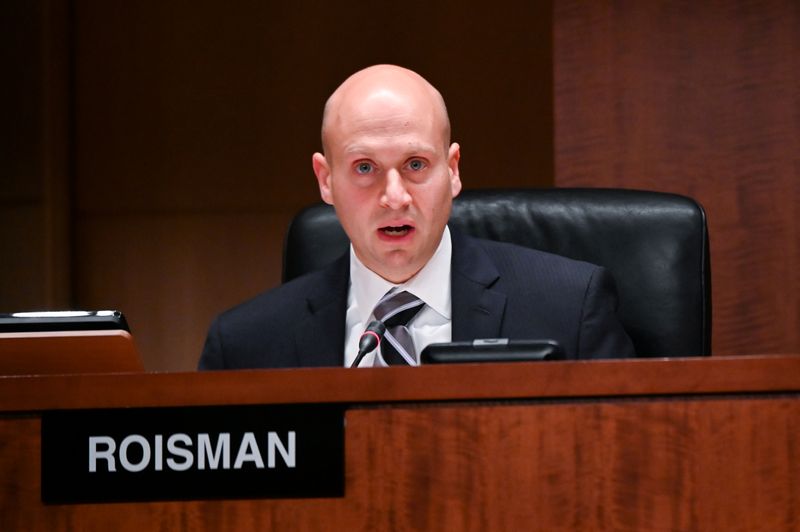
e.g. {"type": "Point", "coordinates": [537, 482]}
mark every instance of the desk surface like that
{"type": "Point", "coordinates": [620, 378]}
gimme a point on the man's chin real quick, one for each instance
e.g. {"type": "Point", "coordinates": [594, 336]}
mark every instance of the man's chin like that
{"type": "Point", "coordinates": [396, 267]}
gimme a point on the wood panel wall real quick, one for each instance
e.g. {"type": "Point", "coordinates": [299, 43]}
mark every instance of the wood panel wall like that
{"type": "Point", "coordinates": [34, 156]}
{"type": "Point", "coordinates": [703, 99]}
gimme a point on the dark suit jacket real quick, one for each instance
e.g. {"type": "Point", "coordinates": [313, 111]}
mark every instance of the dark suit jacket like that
{"type": "Point", "coordinates": [498, 291]}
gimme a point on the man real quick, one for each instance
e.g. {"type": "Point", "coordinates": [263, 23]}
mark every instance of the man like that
{"type": "Point", "coordinates": [390, 171]}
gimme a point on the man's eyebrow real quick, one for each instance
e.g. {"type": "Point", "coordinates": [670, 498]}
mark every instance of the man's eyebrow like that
{"type": "Point", "coordinates": [409, 150]}
{"type": "Point", "coordinates": [358, 148]}
{"type": "Point", "coordinates": [420, 148]}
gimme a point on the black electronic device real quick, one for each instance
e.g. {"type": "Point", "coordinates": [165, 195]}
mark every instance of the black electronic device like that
{"type": "Point", "coordinates": [63, 320]}
{"type": "Point", "coordinates": [492, 350]}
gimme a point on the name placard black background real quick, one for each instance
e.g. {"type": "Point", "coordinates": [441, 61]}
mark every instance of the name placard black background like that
{"type": "Point", "coordinates": [318, 472]}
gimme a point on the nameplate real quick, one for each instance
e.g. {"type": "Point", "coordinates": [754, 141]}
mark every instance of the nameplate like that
{"type": "Point", "coordinates": [160, 454]}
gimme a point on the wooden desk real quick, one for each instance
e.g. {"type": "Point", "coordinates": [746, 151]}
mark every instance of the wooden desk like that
{"type": "Point", "coordinates": [683, 444]}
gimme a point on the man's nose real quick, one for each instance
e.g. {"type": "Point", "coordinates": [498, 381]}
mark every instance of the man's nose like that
{"type": "Point", "coordinates": [395, 195]}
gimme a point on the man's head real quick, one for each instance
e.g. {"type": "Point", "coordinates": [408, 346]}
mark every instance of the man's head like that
{"type": "Point", "coordinates": [388, 167]}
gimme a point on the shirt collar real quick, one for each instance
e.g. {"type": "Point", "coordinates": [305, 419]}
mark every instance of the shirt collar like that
{"type": "Point", "coordinates": [431, 284]}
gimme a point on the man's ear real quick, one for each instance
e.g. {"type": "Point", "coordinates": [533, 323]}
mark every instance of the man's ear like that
{"type": "Point", "coordinates": [323, 172]}
{"type": "Point", "coordinates": [453, 156]}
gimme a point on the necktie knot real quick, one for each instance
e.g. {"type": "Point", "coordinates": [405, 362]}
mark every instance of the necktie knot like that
{"type": "Point", "coordinates": [396, 310]}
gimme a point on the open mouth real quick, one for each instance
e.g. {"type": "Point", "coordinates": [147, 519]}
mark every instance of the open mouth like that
{"type": "Point", "coordinates": [400, 230]}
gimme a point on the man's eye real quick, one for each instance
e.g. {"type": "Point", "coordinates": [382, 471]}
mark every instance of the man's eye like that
{"type": "Point", "coordinates": [363, 168]}
{"type": "Point", "coordinates": [416, 165]}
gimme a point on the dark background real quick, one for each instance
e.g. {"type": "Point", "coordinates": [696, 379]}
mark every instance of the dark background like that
{"type": "Point", "coordinates": [151, 153]}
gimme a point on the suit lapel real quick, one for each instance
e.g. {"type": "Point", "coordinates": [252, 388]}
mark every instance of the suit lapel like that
{"type": "Point", "coordinates": [478, 307]}
{"type": "Point", "coordinates": [320, 337]}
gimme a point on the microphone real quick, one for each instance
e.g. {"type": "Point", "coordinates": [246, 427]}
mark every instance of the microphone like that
{"type": "Point", "coordinates": [369, 340]}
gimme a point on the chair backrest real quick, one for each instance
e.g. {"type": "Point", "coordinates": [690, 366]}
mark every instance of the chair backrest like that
{"type": "Point", "coordinates": [654, 244]}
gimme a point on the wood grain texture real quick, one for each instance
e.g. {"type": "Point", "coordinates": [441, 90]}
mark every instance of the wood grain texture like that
{"type": "Point", "coordinates": [663, 465]}
{"type": "Point", "coordinates": [586, 458]}
{"type": "Point", "coordinates": [702, 99]}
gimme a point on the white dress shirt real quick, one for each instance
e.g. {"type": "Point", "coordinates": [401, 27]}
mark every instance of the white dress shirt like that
{"type": "Point", "coordinates": [431, 284]}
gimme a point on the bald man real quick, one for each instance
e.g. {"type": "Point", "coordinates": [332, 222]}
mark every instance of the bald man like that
{"type": "Point", "coordinates": [390, 171]}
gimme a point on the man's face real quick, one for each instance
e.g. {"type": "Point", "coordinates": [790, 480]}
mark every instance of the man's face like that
{"type": "Point", "coordinates": [391, 177]}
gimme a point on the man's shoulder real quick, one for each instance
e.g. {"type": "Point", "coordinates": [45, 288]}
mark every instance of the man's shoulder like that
{"type": "Point", "coordinates": [506, 255]}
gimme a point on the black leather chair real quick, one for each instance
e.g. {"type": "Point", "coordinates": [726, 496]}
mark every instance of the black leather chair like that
{"type": "Point", "coordinates": [655, 245]}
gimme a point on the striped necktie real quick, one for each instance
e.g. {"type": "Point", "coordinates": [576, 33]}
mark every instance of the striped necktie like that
{"type": "Point", "coordinates": [396, 310]}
